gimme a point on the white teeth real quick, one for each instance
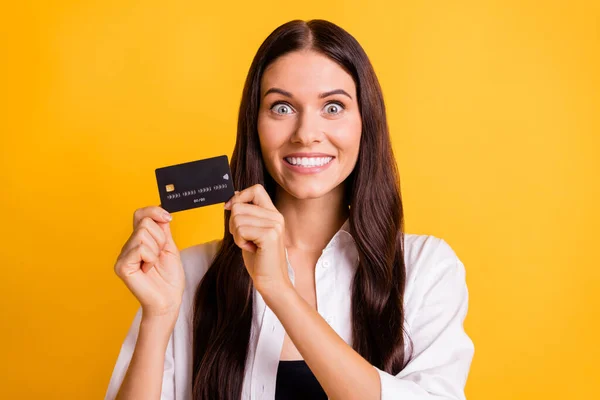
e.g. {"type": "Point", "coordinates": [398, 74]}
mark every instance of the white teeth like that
{"type": "Point", "coordinates": [309, 161]}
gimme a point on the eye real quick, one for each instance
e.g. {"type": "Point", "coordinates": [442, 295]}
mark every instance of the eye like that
{"type": "Point", "coordinates": [281, 108]}
{"type": "Point", "coordinates": [335, 106]}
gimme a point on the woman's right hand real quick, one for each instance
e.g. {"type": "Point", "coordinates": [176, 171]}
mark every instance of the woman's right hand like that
{"type": "Point", "coordinates": [150, 264]}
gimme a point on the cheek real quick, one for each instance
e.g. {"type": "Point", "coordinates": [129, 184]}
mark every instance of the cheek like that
{"type": "Point", "coordinates": [346, 135]}
{"type": "Point", "coordinates": [267, 134]}
{"type": "Point", "coordinates": [272, 135]}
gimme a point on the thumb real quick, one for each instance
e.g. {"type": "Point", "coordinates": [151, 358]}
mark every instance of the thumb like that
{"type": "Point", "coordinates": [170, 245]}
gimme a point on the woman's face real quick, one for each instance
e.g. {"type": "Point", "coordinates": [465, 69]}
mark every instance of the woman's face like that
{"type": "Point", "coordinates": [308, 105]}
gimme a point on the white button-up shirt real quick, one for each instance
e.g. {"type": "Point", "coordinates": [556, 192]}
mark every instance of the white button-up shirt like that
{"type": "Point", "coordinates": [435, 306]}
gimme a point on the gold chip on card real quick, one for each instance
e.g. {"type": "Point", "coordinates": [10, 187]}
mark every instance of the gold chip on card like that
{"type": "Point", "coordinates": [170, 188]}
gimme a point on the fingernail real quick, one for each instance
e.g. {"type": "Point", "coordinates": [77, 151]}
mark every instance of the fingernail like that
{"type": "Point", "coordinates": [167, 216]}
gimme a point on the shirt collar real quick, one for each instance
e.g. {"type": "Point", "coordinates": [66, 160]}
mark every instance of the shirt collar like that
{"type": "Point", "coordinates": [344, 230]}
{"type": "Point", "coordinates": [346, 226]}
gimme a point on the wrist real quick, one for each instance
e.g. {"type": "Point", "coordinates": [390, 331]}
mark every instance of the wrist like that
{"type": "Point", "coordinates": [164, 312]}
{"type": "Point", "coordinates": [164, 323]}
{"type": "Point", "coordinates": [277, 294]}
{"type": "Point", "coordinates": [156, 331]}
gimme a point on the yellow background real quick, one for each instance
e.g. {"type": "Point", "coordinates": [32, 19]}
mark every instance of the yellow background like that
{"type": "Point", "coordinates": [493, 107]}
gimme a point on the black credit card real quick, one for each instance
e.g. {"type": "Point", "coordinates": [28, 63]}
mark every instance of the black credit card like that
{"type": "Point", "coordinates": [194, 184]}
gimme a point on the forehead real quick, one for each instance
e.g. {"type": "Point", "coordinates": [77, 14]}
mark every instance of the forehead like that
{"type": "Point", "coordinates": [306, 73]}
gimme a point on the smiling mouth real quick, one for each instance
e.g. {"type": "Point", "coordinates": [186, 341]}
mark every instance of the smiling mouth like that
{"type": "Point", "coordinates": [308, 162]}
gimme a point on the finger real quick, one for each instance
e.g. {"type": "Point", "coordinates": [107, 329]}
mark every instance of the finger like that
{"type": "Point", "coordinates": [240, 220]}
{"type": "Point", "coordinates": [148, 258]}
{"type": "Point", "coordinates": [259, 236]}
{"type": "Point", "coordinates": [255, 194]}
{"type": "Point", "coordinates": [138, 257]}
{"type": "Point", "coordinates": [243, 243]}
{"type": "Point", "coordinates": [252, 209]}
{"type": "Point", "coordinates": [169, 246]}
{"type": "Point", "coordinates": [228, 202]}
{"type": "Point", "coordinates": [157, 213]}
{"type": "Point", "coordinates": [141, 235]}
{"type": "Point", "coordinates": [152, 227]}
{"type": "Point", "coordinates": [149, 225]}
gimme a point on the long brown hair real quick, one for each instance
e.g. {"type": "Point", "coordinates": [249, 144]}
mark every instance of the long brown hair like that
{"type": "Point", "coordinates": [223, 301]}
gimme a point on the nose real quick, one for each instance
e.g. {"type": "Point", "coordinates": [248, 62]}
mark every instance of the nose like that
{"type": "Point", "coordinates": [308, 128]}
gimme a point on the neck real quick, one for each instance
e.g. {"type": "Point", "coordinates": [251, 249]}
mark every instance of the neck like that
{"type": "Point", "coordinates": [311, 223]}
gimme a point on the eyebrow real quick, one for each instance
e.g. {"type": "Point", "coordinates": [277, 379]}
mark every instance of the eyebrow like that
{"type": "Point", "coordinates": [321, 96]}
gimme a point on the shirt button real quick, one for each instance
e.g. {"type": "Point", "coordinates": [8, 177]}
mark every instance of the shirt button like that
{"type": "Point", "coordinates": [273, 328]}
{"type": "Point", "coordinates": [325, 264]}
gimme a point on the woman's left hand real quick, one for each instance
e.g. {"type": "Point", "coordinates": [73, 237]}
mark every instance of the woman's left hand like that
{"type": "Point", "coordinates": [257, 228]}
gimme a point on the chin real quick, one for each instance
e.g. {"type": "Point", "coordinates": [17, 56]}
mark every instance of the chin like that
{"type": "Point", "coordinates": [304, 191]}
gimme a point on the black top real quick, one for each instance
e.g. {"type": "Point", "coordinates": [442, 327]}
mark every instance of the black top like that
{"type": "Point", "coordinates": [296, 381]}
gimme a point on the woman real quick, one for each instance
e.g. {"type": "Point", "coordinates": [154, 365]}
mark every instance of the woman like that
{"type": "Point", "coordinates": [314, 290]}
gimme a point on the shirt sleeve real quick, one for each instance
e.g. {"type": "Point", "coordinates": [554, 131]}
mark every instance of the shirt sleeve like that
{"type": "Point", "coordinates": [124, 358]}
{"type": "Point", "coordinates": [442, 351]}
